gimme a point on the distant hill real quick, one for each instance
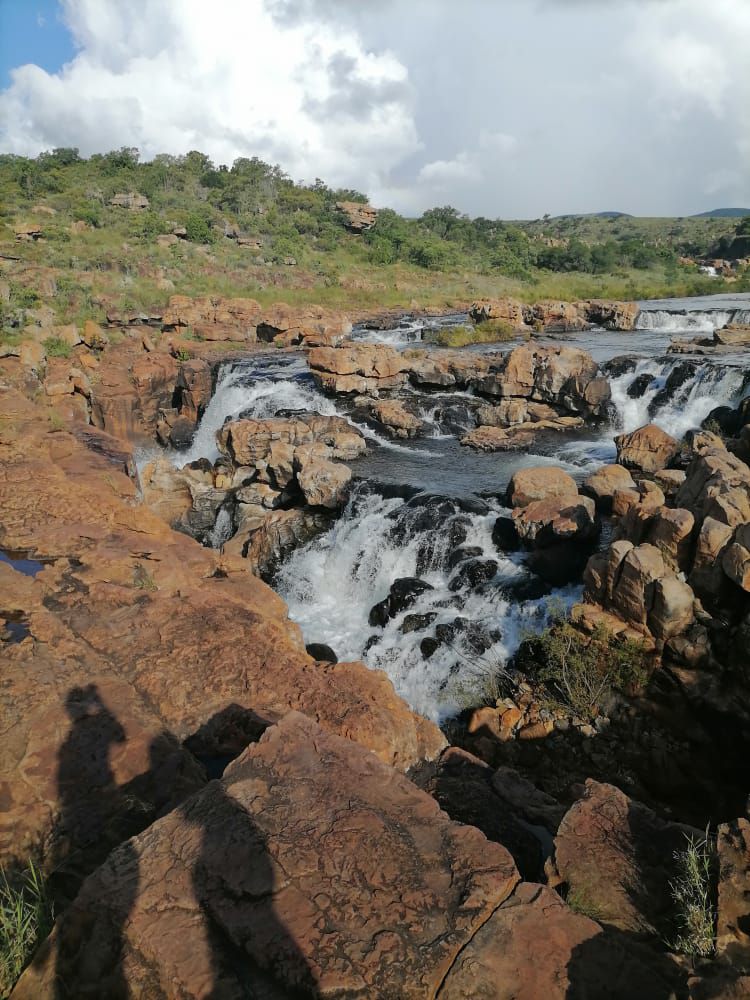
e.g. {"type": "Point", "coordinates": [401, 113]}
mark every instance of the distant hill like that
{"type": "Point", "coordinates": [724, 213]}
{"type": "Point", "coordinates": [596, 215]}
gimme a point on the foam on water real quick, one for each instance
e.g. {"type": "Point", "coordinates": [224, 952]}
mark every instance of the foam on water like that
{"type": "Point", "coordinates": [687, 406]}
{"type": "Point", "coordinates": [332, 583]}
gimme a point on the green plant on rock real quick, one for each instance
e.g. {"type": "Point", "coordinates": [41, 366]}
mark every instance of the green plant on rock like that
{"type": "Point", "coordinates": [56, 347]}
{"type": "Point", "coordinates": [26, 918]}
{"type": "Point", "coordinates": [692, 893]}
{"type": "Point", "coordinates": [580, 670]}
{"type": "Point", "coordinates": [142, 579]}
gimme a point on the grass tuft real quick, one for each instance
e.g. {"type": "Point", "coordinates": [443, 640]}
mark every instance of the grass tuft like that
{"type": "Point", "coordinates": [691, 891]}
{"type": "Point", "coordinates": [26, 918]}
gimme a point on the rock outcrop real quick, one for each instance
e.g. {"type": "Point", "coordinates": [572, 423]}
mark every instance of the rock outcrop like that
{"type": "Point", "coordinates": [647, 449]}
{"type": "Point", "coordinates": [312, 869]}
{"type": "Point", "coordinates": [176, 639]}
{"type": "Point", "coordinates": [359, 216]}
{"type": "Point", "coordinates": [616, 858]}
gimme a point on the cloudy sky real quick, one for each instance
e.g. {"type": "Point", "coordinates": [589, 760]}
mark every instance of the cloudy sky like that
{"type": "Point", "coordinates": [508, 108]}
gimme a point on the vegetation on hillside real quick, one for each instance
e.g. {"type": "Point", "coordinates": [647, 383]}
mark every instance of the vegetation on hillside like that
{"type": "Point", "coordinates": [249, 229]}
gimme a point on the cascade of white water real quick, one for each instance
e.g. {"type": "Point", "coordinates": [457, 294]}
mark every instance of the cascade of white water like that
{"type": "Point", "coordinates": [703, 321]}
{"type": "Point", "coordinates": [332, 583]}
{"type": "Point", "coordinates": [683, 408]}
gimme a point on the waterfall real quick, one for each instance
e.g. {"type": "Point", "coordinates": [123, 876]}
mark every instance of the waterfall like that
{"type": "Point", "coordinates": [676, 404]}
{"type": "Point", "coordinates": [690, 321]}
{"type": "Point", "coordinates": [331, 584]}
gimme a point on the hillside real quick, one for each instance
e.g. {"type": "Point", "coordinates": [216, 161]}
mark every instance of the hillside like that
{"type": "Point", "coordinates": [112, 232]}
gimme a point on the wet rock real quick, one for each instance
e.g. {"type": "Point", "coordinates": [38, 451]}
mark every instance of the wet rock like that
{"type": "Point", "coordinates": [417, 623]}
{"type": "Point", "coordinates": [473, 574]}
{"type": "Point", "coordinates": [396, 418]}
{"type": "Point", "coordinates": [461, 555]}
{"type": "Point", "coordinates": [624, 871]}
{"type": "Point", "coordinates": [250, 908]}
{"type": "Point", "coordinates": [320, 651]}
{"type": "Point", "coordinates": [428, 646]}
{"type": "Point", "coordinates": [402, 595]}
{"type": "Point", "coordinates": [639, 385]}
{"type": "Point", "coordinates": [540, 483]}
{"type": "Point", "coordinates": [680, 374]}
{"type": "Point", "coordinates": [504, 534]}
{"type": "Point", "coordinates": [265, 545]}
{"type": "Point", "coordinates": [623, 364]}
{"type": "Point", "coordinates": [647, 449]}
{"type": "Point", "coordinates": [612, 315]}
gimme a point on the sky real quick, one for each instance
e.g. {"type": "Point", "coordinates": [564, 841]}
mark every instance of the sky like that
{"type": "Point", "coordinates": [502, 108]}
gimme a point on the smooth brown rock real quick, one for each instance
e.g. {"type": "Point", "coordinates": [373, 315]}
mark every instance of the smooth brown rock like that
{"type": "Point", "coordinates": [312, 868]}
{"type": "Point", "coordinates": [396, 418]}
{"type": "Point", "coordinates": [671, 611]}
{"type": "Point", "coordinates": [540, 483]}
{"type": "Point", "coordinates": [632, 597]}
{"type": "Point", "coordinates": [604, 483]}
{"type": "Point", "coordinates": [557, 519]}
{"type": "Point", "coordinates": [670, 530]}
{"type": "Point", "coordinates": [647, 449]}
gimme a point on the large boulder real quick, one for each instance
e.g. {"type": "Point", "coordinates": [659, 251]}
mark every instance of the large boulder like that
{"type": "Point", "coordinates": [647, 449]}
{"type": "Point", "coordinates": [311, 869]}
{"type": "Point", "coordinates": [358, 216]}
{"type": "Point", "coordinates": [604, 483]}
{"type": "Point", "coordinates": [543, 482]}
{"type": "Point", "coordinates": [617, 858]}
{"type": "Point", "coordinates": [612, 315]}
{"type": "Point", "coordinates": [558, 519]}
{"type": "Point", "coordinates": [358, 368]}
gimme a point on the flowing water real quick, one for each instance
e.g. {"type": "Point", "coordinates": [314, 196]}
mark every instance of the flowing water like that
{"type": "Point", "coordinates": [426, 508]}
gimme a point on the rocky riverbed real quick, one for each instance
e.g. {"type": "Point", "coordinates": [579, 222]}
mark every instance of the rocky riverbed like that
{"type": "Point", "coordinates": [402, 809]}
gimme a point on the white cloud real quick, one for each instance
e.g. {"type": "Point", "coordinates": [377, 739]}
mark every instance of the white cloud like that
{"type": "Point", "coordinates": [228, 78]}
{"type": "Point", "coordinates": [543, 106]}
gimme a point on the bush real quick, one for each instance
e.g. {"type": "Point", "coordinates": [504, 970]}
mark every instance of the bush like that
{"type": "Point", "coordinates": [26, 917]}
{"type": "Point", "coordinates": [57, 348]}
{"type": "Point", "coordinates": [198, 229]}
{"type": "Point", "coordinates": [581, 671]}
{"type": "Point", "coordinates": [692, 894]}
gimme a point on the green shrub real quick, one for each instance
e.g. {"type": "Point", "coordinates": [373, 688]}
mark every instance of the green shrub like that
{"type": "Point", "coordinates": [198, 228]}
{"type": "Point", "coordinates": [581, 671]}
{"type": "Point", "coordinates": [57, 348]}
{"type": "Point", "coordinates": [692, 894]}
{"type": "Point", "coordinates": [23, 297]}
{"type": "Point", "coordinates": [26, 917]}
{"type": "Point", "coordinates": [489, 332]}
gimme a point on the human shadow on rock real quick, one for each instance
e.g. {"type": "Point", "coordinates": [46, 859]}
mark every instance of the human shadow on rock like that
{"type": "Point", "coordinates": [237, 884]}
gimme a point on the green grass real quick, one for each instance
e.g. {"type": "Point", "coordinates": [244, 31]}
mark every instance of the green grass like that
{"type": "Point", "coordinates": [488, 332]}
{"type": "Point", "coordinates": [692, 893]}
{"type": "Point", "coordinates": [57, 348]}
{"type": "Point", "coordinates": [26, 918]}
